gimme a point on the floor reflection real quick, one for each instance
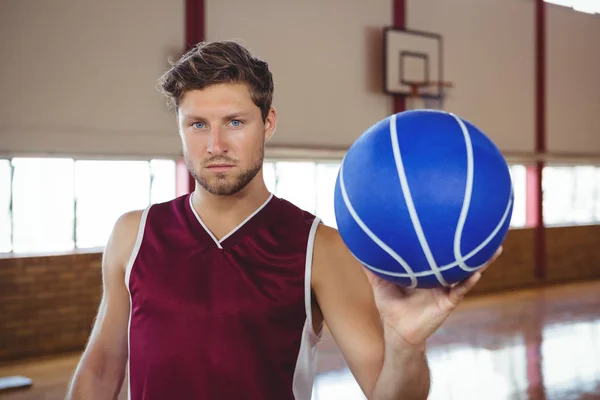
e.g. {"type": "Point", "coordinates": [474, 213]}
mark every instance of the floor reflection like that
{"type": "Point", "coordinates": [535, 345]}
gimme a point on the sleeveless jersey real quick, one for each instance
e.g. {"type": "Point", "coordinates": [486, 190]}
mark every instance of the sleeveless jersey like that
{"type": "Point", "coordinates": [222, 319]}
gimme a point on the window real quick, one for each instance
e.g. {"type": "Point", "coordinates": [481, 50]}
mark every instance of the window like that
{"type": "Point", "coordinates": [597, 195]}
{"type": "Point", "coordinates": [586, 6]}
{"type": "Point", "coordinates": [104, 191]}
{"type": "Point", "coordinates": [42, 199]}
{"type": "Point", "coordinates": [571, 195]}
{"type": "Point", "coordinates": [53, 204]}
{"type": "Point", "coordinates": [309, 185]}
{"type": "Point", "coordinates": [326, 176]}
{"type": "Point", "coordinates": [162, 181]}
{"type": "Point", "coordinates": [518, 174]}
{"type": "Point", "coordinates": [296, 182]}
{"type": "Point", "coordinates": [5, 206]}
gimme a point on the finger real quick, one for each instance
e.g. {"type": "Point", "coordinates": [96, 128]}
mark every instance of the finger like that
{"type": "Point", "coordinates": [497, 254]}
{"type": "Point", "coordinates": [458, 292]}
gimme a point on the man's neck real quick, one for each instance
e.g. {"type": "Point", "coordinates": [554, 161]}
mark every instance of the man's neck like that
{"type": "Point", "coordinates": [221, 214]}
{"type": "Point", "coordinates": [249, 198]}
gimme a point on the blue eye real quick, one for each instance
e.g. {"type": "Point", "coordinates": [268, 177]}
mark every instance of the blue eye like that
{"type": "Point", "coordinates": [195, 125]}
{"type": "Point", "coordinates": [236, 122]}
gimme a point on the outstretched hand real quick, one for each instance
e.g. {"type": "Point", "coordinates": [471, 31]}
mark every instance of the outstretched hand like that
{"type": "Point", "coordinates": [413, 315]}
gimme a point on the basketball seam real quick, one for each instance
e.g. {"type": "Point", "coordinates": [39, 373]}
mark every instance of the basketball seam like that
{"type": "Point", "coordinates": [412, 211]}
{"type": "Point", "coordinates": [371, 235]}
{"type": "Point", "coordinates": [460, 259]}
{"type": "Point", "coordinates": [469, 255]}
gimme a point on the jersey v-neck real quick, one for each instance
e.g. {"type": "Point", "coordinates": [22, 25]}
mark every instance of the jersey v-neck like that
{"type": "Point", "coordinates": [230, 237]}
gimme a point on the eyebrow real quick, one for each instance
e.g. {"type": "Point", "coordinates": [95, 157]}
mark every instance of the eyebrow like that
{"type": "Point", "coordinates": [226, 117]}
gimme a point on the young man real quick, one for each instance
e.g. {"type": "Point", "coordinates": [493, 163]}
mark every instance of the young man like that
{"type": "Point", "coordinates": [222, 294]}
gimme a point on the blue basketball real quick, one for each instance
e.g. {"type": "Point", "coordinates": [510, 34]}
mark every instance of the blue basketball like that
{"type": "Point", "coordinates": [423, 198]}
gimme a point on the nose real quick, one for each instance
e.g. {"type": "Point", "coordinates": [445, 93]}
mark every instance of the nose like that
{"type": "Point", "coordinates": [216, 143]}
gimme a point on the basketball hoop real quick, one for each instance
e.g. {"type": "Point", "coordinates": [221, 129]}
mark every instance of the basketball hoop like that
{"type": "Point", "coordinates": [432, 93]}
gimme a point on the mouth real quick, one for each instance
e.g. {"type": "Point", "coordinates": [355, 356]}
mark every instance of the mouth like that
{"type": "Point", "coordinates": [219, 167]}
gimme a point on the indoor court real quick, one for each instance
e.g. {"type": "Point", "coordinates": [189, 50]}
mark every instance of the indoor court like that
{"type": "Point", "coordinates": [85, 137]}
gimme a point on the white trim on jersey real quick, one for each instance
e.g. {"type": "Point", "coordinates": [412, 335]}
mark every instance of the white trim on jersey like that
{"type": "Point", "coordinates": [219, 242]}
{"type": "Point", "coordinates": [137, 245]}
{"type": "Point", "coordinates": [306, 364]}
{"type": "Point", "coordinates": [132, 258]}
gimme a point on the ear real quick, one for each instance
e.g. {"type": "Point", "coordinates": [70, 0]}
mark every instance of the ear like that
{"type": "Point", "coordinates": [270, 124]}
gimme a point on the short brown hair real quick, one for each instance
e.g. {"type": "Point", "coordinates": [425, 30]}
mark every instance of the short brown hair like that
{"type": "Point", "coordinates": [212, 63]}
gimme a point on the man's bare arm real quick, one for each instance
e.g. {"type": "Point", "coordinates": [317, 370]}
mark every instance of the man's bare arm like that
{"type": "Point", "coordinates": [346, 301]}
{"type": "Point", "coordinates": [345, 298]}
{"type": "Point", "coordinates": [101, 370]}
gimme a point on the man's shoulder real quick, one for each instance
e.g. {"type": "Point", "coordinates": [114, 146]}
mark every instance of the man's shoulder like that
{"type": "Point", "coordinates": [329, 242]}
{"type": "Point", "coordinates": [292, 215]}
{"type": "Point", "coordinates": [129, 225]}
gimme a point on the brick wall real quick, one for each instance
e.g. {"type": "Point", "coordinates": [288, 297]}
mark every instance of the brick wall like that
{"type": "Point", "coordinates": [47, 304]}
{"type": "Point", "coordinates": [515, 268]}
{"type": "Point", "coordinates": [573, 253]}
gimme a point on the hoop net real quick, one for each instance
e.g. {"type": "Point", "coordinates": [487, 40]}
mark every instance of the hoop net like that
{"type": "Point", "coordinates": [429, 95]}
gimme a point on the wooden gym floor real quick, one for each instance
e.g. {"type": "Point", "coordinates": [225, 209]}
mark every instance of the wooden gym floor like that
{"type": "Point", "coordinates": [541, 344]}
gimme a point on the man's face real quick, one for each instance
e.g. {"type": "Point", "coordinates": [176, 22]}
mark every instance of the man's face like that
{"type": "Point", "coordinates": [223, 137]}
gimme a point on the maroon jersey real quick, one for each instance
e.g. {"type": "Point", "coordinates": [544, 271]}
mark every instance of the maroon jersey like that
{"type": "Point", "coordinates": [222, 319]}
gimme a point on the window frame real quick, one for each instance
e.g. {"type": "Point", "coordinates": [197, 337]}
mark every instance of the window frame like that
{"type": "Point", "coordinates": [272, 155]}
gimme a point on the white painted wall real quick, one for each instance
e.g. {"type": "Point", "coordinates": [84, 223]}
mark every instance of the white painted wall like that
{"type": "Point", "coordinates": [325, 57]}
{"type": "Point", "coordinates": [573, 89]}
{"type": "Point", "coordinates": [489, 56]}
{"type": "Point", "coordinates": [79, 76]}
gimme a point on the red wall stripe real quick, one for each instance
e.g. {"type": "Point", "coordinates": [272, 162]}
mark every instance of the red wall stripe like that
{"type": "Point", "coordinates": [399, 21]}
{"type": "Point", "coordinates": [194, 33]}
{"type": "Point", "coordinates": [540, 133]}
{"type": "Point", "coordinates": [194, 22]}
{"type": "Point", "coordinates": [531, 195]}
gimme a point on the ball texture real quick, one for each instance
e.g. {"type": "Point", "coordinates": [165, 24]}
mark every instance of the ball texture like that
{"type": "Point", "coordinates": [423, 198]}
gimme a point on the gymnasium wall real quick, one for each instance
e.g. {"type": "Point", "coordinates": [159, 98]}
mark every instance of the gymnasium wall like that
{"type": "Point", "coordinates": [94, 92]}
{"type": "Point", "coordinates": [326, 61]}
{"type": "Point", "coordinates": [573, 82]}
{"type": "Point", "coordinates": [79, 77]}
{"type": "Point", "coordinates": [489, 57]}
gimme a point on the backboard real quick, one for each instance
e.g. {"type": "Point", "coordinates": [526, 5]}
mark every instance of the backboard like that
{"type": "Point", "coordinates": [413, 63]}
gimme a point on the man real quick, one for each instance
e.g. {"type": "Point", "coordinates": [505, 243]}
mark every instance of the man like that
{"type": "Point", "coordinates": [222, 294]}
